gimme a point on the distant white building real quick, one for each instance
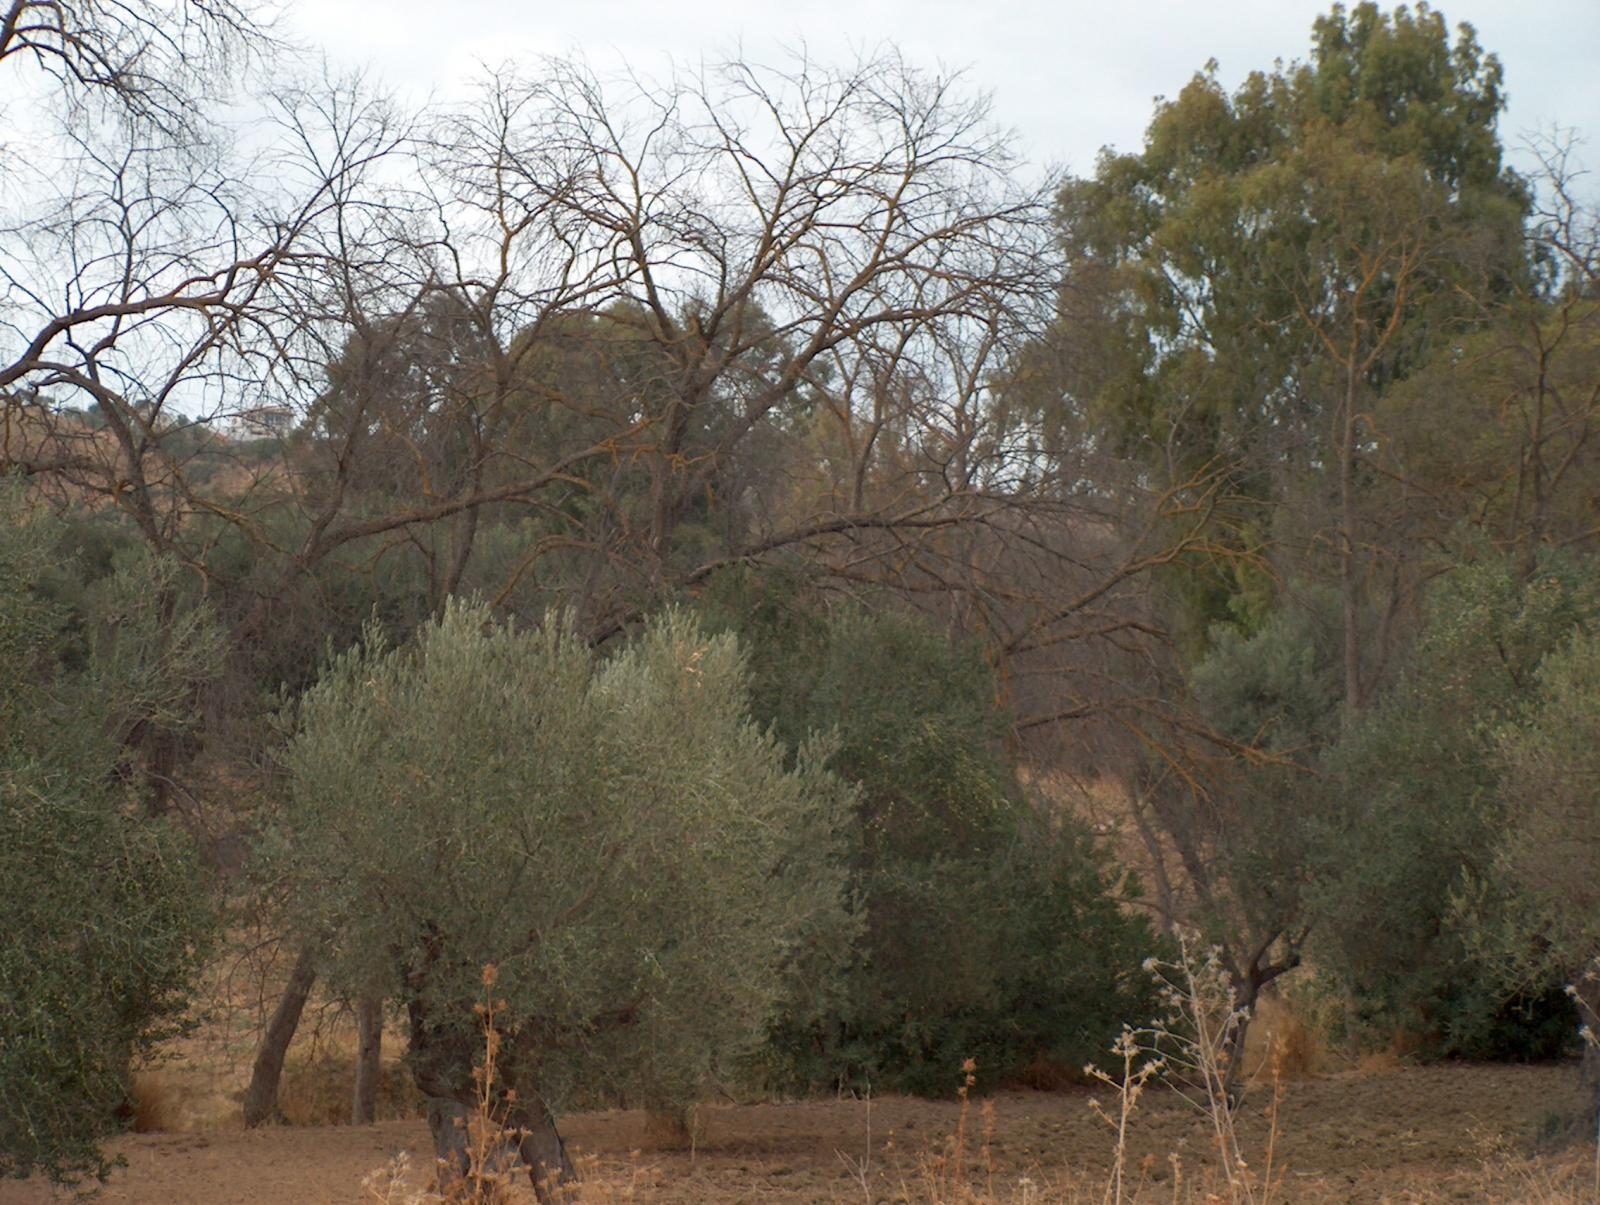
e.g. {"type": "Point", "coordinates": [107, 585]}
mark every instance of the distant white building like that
{"type": "Point", "coordinates": [263, 422]}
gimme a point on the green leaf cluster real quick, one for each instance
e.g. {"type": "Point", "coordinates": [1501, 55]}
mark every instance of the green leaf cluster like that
{"type": "Point", "coordinates": [993, 931]}
{"type": "Point", "coordinates": [106, 915]}
{"type": "Point", "coordinates": [614, 834]}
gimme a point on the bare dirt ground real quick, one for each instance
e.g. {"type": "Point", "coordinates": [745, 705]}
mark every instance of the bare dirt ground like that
{"type": "Point", "coordinates": [1449, 1133]}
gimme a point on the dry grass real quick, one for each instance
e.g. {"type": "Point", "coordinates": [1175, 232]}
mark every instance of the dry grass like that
{"type": "Point", "coordinates": [196, 1083]}
{"type": "Point", "coordinates": [177, 1098]}
{"type": "Point", "coordinates": [1286, 1039]}
{"type": "Point", "coordinates": [200, 1091]}
{"type": "Point", "coordinates": [318, 1080]}
{"type": "Point", "coordinates": [1175, 1070]}
{"type": "Point", "coordinates": [1382, 1131]}
{"type": "Point", "coordinates": [1411, 1134]}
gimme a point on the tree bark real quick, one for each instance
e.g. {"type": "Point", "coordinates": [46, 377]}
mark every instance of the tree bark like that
{"type": "Point", "coordinates": [1349, 576]}
{"type": "Point", "coordinates": [261, 1097]}
{"type": "Point", "coordinates": [369, 1060]}
{"type": "Point", "coordinates": [447, 1122]}
{"type": "Point", "coordinates": [542, 1150]}
{"type": "Point", "coordinates": [1246, 993]}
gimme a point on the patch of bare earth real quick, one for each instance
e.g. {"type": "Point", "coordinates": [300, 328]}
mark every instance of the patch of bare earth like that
{"type": "Point", "coordinates": [1397, 1134]}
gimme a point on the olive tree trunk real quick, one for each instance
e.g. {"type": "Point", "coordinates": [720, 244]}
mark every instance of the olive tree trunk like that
{"type": "Point", "coordinates": [369, 1060]}
{"type": "Point", "coordinates": [261, 1097]}
{"type": "Point", "coordinates": [543, 1152]}
{"type": "Point", "coordinates": [473, 1148]}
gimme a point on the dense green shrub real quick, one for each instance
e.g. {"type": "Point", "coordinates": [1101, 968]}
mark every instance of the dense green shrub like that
{"type": "Point", "coordinates": [992, 931]}
{"type": "Point", "coordinates": [1420, 815]}
{"type": "Point", "coordinates": [614, 834]}
{"type": "Point", "coordinates": [104, 913]}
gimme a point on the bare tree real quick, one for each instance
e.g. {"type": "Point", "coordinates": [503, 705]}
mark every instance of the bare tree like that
{"type": "Point", "coordinates": [746, 262]}
{"type": "Point", "coordinates": [584, 342]}
{"type": "Point", "coordinates": [150, 64]}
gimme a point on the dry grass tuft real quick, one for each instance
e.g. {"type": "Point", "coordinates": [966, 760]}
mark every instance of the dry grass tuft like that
{"type": "Point", "coordinates": [673, 1129]}
{"type": "Point", "coordinates": [172, 1098]}
{"type": "Point", "coordinates": [156, 1103]}
{"type": "Point", "coordinates": [951, 1175]}
{"type": "Point", "coordinates": [317, 1085]}
{"type": "Point", "coordinates": [1296, 1049]}
{"type": "Point", "coordinates": [1044, 1074]}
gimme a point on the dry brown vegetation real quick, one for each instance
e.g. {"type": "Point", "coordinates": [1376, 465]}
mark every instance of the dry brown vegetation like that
{"type": "Point", "coordinates": [1313, 1126]}
{"type": "Point", "coordinates": [1386, 1133]}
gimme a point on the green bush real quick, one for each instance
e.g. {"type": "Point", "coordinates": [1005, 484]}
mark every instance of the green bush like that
{"type": "Point", "coordinates": [105, 915]}
{"type": "Point", "coordinates": [992, 931]}
{"type": "Point", "coordinates": [1420, 813]}
{"type": "Point", "coordinates": [614, 834]}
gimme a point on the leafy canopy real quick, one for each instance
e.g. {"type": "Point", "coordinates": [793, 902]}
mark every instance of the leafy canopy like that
{"type": "Point", "coordinates": [615, 834]}
{"type": "Point", "coordinates": [106, 915]}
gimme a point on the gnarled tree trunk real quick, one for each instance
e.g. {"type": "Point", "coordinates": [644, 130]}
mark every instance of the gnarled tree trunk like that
{"type": "Point", "coordinates": [543, 1152]}
{"type": "Point", "coordinates": [442, 1056]}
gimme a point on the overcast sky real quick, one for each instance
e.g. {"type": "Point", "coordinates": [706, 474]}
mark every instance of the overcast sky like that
{"type": "Point", "coordinates": [1069, 76]}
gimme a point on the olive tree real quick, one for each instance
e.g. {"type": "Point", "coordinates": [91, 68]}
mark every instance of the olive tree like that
{"type": "Point", "coordinates": [1423, 803]}
{"type": "Point", "coordinates": [105, 913]}
{"type": "Point", "coordinates": [614, 835]}
{"type": "Point", "coordinates": [1544, 879]}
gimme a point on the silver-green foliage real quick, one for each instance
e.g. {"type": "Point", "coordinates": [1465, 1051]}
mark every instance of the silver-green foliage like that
{"type": "Point", "coordinates": [614, 834]}
{"type": "Point", "coordinates": [103, 915]}
{"type": "Point", "coordinates": [1409, 893]}
{"type": "Point", "coordinates": [1547, 875]}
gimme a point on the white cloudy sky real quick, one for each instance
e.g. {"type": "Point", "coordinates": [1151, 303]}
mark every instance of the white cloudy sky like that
{"type": "Point", "coordinates": [1069, 76]}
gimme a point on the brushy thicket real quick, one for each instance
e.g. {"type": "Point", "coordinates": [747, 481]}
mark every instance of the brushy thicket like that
{"type": "Point", "coordinates": [105, 913]}
{"type": "Point", "coordinates": [1388, 837]}
{"type": "Point", "coordinates": [993, 929]}
{"type": "Point", "coordinates": [1420, 817]}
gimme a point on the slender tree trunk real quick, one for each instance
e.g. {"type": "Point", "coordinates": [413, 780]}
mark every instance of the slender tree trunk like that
{"type": "Point", "coordinates": [1247, 990]}
{"type": "Point", "coordinates": [261, 1097]}
{"type": "Point", "coordinates": [1247, 994]}
{"type": "Point", "coordinates": [1349, 581]}
{"type": "Point", "coordinates": [461, 555]}
{"type": "Point", "coordinates": [369, 1060]}
{"type": "Point", "coordinates": [1533, 536]}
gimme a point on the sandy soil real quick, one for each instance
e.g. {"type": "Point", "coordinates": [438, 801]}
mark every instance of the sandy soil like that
{"type": "Point", "coordinates": [1395, 1134]}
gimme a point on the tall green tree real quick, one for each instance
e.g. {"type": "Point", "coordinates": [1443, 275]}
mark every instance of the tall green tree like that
{"type": "Point", "coordinates": [1274, 258]}
{"type": "Point", "coordinates": [1499, 431]}
{"type": "Point", "coordinates": [1246, 294]}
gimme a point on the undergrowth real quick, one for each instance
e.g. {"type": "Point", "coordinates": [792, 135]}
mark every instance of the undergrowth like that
{"type": "Point", "coordinates": [1184, 1055]}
